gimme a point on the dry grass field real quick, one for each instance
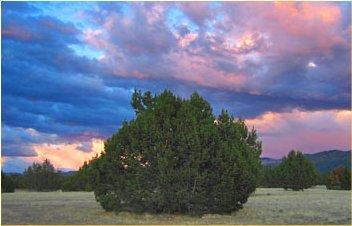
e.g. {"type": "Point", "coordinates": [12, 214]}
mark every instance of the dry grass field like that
{"type": "Point", "coordinates": [266, 206]}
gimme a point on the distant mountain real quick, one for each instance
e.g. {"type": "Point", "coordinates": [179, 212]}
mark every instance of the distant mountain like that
{"type": "Point", "coordinates": [270, 161]}
{"type": "Point", "coordinates": [329, 160]}
{"type": "Point", "coordinates": [324, 161]}
{"type": "Point", "coordinates": [68, 173]}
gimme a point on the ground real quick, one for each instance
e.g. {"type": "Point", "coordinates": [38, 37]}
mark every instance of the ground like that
{"type": "Point", "coordinates": [265, 206]}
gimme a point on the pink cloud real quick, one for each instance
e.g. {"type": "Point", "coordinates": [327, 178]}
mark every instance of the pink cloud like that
{"type": "Point", "coordinates": [197, 11]}
{"type": "Point", "coordinates": [61, 155]}
{"type": "Point", "coordinates": [196, 69]}
{"type": "Point", "coordinates": [67, 29]}
{"type": "Point", "coordinates": [66, 155]}
{"type": "Point", "coordinates": [248, 32]}
{"type": "Point", "coordinates": [187, 39]}
{"type": "Point", "coordinates": [308, 131]}
{"type": "Point", "coordinates": [18, 33]}
{"type": "Point", "coordinates": [298, 27]}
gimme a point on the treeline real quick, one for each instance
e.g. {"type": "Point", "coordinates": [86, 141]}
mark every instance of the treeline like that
{"type": "Point", "coordinates": [37, 177]}
{"type": "Point", "coordinates": [7, 183]}
{"type": "Point", "coordinates": [297, 172]}
{"type": "Point", "coordinates": [82, 180]}
{"type": "Point", "coordinates": [44, 177]}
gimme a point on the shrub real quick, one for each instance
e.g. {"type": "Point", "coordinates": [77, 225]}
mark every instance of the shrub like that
{"type": "Point", "coordinates": [7, 184]}
{"type": "Point", "coordinates": [297, 172]}
{"type": "Point", "coordinates": [339, 179]}
{"type": "Point", "coordinates": [175, 156]}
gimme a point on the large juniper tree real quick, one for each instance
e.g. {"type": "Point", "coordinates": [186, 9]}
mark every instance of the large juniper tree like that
{"type": "Point", "coordinates": [176, 156]}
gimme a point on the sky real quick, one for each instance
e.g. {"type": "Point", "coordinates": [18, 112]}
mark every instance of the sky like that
{"type": "Point", "coordinates": [69, 70]}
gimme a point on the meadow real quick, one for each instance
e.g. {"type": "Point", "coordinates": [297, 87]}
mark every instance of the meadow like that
{"type": "Point", "coordinates": [266, 206]}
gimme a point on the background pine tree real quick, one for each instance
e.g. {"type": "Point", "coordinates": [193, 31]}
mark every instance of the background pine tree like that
{"type": "Point", "coordinates": [42, 177]}
{"type": "Point", "coordinates": [297, 172]}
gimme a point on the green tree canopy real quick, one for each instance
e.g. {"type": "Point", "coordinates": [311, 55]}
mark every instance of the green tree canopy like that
{"type": "Point", "coordinates": [297, 172]}
{"type": "Point", "coordinates": [176, 156]}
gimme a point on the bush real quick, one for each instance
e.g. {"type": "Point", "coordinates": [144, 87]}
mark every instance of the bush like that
{"type": "Point", "coordinates": [339, 179]}
{"type": "Point", "coordinates": [175, 156]}
{"type": "Point", "coordinates": [42, 177]}
{"type": "Point", "coordinates": [7, 184]}
{"type": "Point", "coordinates": [297, 172]}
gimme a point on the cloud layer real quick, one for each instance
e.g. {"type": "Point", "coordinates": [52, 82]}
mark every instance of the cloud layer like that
{"type": "Point", "coordinates": [68, 70]}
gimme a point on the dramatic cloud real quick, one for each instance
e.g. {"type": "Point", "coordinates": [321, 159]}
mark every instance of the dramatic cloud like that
{"type": "Point", "coordinates": [69, 69]}
{"type": "Point", "coordinates": [230, 48]}
{"type": "Point", "coordinates": [62, 155]}
{"type": "Point", "coordinates": [307, 131]}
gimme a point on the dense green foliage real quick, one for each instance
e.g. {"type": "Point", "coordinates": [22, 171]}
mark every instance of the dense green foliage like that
{"type": "Point", "coordinates": [176, 156]}
{"type": "Point", "coordinates": [346, 179]}
{"type": "Point", "coordinates": [17, 180]}
{"type": "Point", "coordinates": [270, 177]}
{"type": "Point", "coordinates": [42, 177]}
{"type": "Point", "coordinates": [339, 179]}
{"type": "Point", "coordinates": [82, 180]}
{"type": "Point", "coordinates": [7, 183]}
{"type": "Point", "coordinates": [297, 172]}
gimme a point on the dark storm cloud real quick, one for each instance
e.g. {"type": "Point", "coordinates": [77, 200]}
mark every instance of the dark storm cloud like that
{"type": "Point", "coordinates": [17, 141]}
{"type": "Point", "coordinates": [48, 88]}
{"type": "Point", "coordinates": [248, 58]}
